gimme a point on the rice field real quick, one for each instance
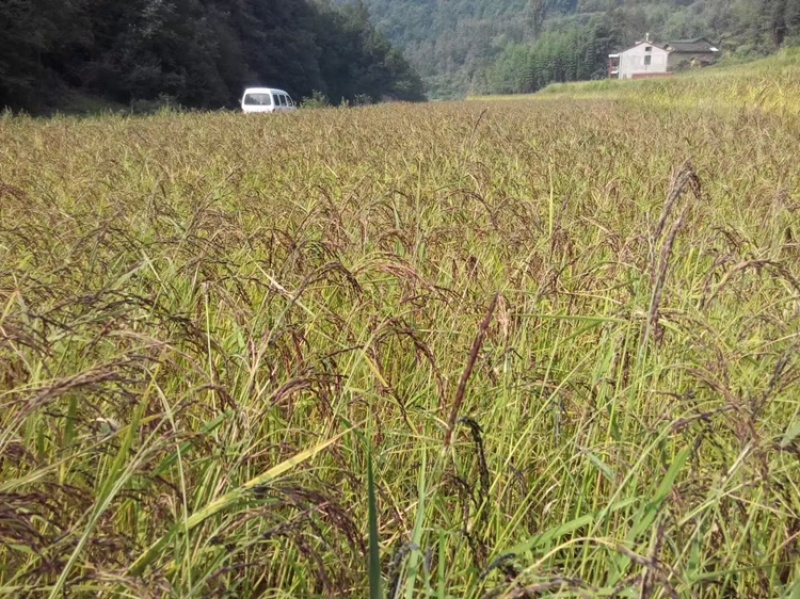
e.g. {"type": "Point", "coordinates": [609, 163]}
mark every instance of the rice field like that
{"type": "Point", "coordinates": [482, 349]}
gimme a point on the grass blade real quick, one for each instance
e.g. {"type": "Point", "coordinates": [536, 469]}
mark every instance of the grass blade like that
{"type": "Point", "coordinates": [375, 583]}
{"type": "Point", "coordinates": [226, 501]}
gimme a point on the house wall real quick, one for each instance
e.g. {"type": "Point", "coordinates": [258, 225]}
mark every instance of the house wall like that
{"type": "Point", "coordinates": [632, 61]}
{"type": "Point", "coordinates": [676, 58]}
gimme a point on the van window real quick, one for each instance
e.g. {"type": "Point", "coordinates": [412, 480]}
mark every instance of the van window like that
{"type": "Point", "coordinates": [257, 100]}
{"type": "Point", "coordinates": [275, 100]}
{"type": "Point", "coordinates": [283, 100]}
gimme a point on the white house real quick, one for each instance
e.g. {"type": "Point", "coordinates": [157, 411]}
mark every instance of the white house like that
{"type": "Point", "coordinates": [645, 59]}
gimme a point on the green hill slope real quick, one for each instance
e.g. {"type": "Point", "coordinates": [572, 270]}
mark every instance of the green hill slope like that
{"type": "Point", "coordinates": [456, 44]}
{"type": "Point", "coordinates": [770, 85]}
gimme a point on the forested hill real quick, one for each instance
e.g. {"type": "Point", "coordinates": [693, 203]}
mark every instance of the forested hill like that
{"type": "Point", "coordinates": [462, 46]}
{"type": "Point", "coordinates": [198, 53]}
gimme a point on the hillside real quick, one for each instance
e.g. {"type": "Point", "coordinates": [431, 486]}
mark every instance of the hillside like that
{"type": "Point", "coordinates": [197, 53]}
{"type": "Point", "coordinates": [767, 86]}
{"type": "Point", "coordinates": [456, 45]}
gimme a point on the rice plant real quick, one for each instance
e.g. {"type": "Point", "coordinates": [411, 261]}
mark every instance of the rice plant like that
{"type": "Point", "coordinates": [497, 349]}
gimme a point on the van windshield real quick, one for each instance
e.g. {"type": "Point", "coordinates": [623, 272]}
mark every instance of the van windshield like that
{"type": "Point", "coordinates": [258, 100]}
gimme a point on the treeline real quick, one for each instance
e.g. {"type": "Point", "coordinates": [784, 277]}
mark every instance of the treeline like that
{"type": "Point", "coordinates": [575, 54]}
{"type": "Point", "coordinates": [479, 46]}
{"type": "Point", "coordinates": [580, 50]}
{"type": "Point", "coordinates": [197, 53]}
{"type": "Point", "coordinates": [784, 21]}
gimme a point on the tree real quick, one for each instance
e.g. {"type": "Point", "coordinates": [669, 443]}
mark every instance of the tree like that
{"type": "Point", "coordinates": [33, 34]}
{"type": "Point", "coordinates": [556, 56]}
{"type": "Point", "coordinates": [537, 11]}
{"type": "Point", "coordinates": [201, 53]}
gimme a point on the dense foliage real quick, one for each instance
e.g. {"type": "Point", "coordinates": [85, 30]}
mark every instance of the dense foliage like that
{"type": "Point", "coordinates": [462, 46]}
{"type": "Point", "coordinates": [199, 53]}
{"type": "Point", "coordinates": [574, 54]}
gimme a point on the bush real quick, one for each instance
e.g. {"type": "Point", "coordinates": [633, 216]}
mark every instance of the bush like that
{"type": "Point", "coordinates": [316, 100]}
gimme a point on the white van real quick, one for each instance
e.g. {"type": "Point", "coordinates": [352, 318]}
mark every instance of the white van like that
{"type": "Point", "coordinates": [266, 99]}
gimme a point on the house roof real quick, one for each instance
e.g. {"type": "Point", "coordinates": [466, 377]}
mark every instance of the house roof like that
{"type": "Point", "coordinates": [698, 45]}
{"type": "Point", "coordinates": [693, 46]}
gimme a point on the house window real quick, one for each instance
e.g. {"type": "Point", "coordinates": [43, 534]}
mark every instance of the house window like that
{"type": "Point", "coordinates": [648, 59]}
{"type": "Point", "coordinates": [648, 48]}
